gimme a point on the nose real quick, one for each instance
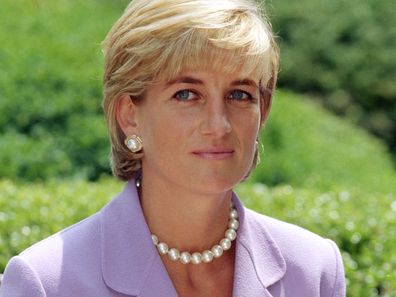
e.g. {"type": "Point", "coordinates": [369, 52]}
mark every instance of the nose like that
{"type": "Point", "coordinates": [215, 119]}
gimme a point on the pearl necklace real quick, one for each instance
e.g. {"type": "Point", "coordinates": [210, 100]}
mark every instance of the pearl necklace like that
{"type": "Point", "coordinates": [206, 256]}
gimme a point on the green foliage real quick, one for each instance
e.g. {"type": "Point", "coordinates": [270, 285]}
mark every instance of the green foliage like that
{"type": "Point", "coordinates": [366, 235]}
{"type": "Point", "coordinates": [307, 147]}
{"type": "Point", "coordinates": [343, 49]}
{"type": "Point", "coordinates": [50, 87]}
{"type": "Point", "coordinates": [30, 212]}
{"type": "Point", "coordinates": [52, 125]}
{"type": "Point", "coordinates": [363, 226]}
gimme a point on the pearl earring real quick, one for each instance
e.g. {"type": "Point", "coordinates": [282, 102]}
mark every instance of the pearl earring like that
{"type": "Point", "coordinates": [134, 143]}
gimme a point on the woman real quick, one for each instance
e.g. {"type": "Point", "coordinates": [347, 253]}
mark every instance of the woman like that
{"type": "Point", "coordinates": [187, 86]}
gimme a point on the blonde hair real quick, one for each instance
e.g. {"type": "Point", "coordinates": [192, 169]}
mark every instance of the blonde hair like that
{"type": "Point", "coordinates": [157, 39]}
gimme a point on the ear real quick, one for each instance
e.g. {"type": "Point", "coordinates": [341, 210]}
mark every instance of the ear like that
{"type": "Point", "coordinates": [265, 105]}
{"type": "Point", "coordinates": [126, 114]}
{"type": "Point", "coordinates": [266, 100]}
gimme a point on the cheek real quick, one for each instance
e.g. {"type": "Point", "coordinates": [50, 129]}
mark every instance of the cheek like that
{"type": "Point", "coordinates": [164, 130]}
{"type": "Point", "coordinates": [248, 132]}
{"type": "Point", "coordinates": [248, 124]}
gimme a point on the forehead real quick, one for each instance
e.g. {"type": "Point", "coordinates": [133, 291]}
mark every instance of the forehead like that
{"type": "Point", "coordinates": [231, 63]}
{"type": "Point", "coordinates": [203, 77]}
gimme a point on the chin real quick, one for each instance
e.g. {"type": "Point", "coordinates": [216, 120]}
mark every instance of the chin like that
{"type": "Point", "coordinates": [219, 184]}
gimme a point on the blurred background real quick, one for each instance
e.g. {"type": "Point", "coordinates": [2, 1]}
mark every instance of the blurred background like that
{"type": "Point", "coordinates": [328, 161]}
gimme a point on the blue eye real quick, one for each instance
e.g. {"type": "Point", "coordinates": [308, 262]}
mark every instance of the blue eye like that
{"type": "Point", "coordinates": [240, 95]}
{"type": "Point", "coordinates": [185, 95]}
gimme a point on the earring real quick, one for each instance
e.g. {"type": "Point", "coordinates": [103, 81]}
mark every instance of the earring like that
{"type": "Point", "coordinates": [259, 145]}
{"type": "Point", "coordinates": [134, 143]}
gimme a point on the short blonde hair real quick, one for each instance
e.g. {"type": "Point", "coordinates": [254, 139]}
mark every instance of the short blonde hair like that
{"type": "Point", "coordinates": [157, 39]}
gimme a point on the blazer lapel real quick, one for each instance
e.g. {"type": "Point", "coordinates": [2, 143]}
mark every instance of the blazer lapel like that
{"type": "Point", "coordinates": [130, 262]}
{"type": "Point", "coordinates": [259, 262]}
{"type": "Point", "coordinates": [131, 265]}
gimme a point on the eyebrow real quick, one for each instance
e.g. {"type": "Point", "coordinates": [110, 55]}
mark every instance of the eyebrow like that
{"type": "Point", "coordinates": [185, 80]}
{"type": "Point", "coordinates": [245, 82]}
{"type": "Point", "coordinates": [195, 81]}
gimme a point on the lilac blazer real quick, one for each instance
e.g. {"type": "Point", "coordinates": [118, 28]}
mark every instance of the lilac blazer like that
{"type": "Point", "coordinates": [111, 254]}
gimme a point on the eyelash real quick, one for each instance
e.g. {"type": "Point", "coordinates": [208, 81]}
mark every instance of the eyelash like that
{"type": "Point", "coordinates": [250, 98]}
{"type": "Point", "coordinates": [184, 100]}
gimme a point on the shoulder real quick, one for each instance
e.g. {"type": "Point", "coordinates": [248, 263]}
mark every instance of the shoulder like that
{"type": "Point", "coordinates": [73, 261]}
{"type": "Point", "coordinates": [291, 239]}
{"type": "Point", "coordinates": [310, 259]}
{"type": "Point", "coordinates": [43, 266]}
{"type": "Point", "coordinates": [69, 242]}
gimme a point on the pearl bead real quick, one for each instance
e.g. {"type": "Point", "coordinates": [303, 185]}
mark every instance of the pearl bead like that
{"type": "Point", "coordinates": [225, 243]}
{"type": "Point", "coordinates": [234, 224]}
{"type": "Point", "coordinates": [230, 234]}
{"type": "Point", "coordinates": [174, 254]}
{"type": "Point", "coordinates": [162, 248]}
{"type": "Point", "coordinates": [185, 257]}
{"type": "Point", "coordinates": [207, 256]}
{"type": "Point", "coordinates": [155, 239]}
{"type": "Point", "coordinates": [233, 214]}
{"type": "Point", "coordinates": [217, 251]}
{"type": "Point", "coordinates": [196, 258]}
{"type": "Point", "coordinates": [134, 143]}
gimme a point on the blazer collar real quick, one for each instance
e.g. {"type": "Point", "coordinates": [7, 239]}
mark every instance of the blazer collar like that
{"type": "Point", "coordinates": [130, 261]}
{"type": "Point", "coordinates": [131, 265]}
{"type": "Point", "coordinates": [259, 262]}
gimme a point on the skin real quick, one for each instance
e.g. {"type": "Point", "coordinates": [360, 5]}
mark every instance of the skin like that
{"type": "Point", "coordinates": [199, 132]}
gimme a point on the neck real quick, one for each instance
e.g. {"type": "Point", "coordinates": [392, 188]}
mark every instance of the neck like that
{"type": "Point", "coordinates": [184, 220]}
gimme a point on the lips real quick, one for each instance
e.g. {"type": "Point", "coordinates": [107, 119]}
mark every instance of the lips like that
{"type": "Point", "coordinates": [214, 153]}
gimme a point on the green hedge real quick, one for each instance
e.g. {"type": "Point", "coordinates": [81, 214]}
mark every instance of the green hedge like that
{"type": "Point", "coordinates": [30, 212]}
{"type": "Point", "coordinates": [363, 225]}
{"type": "Point", "coordinates": [50, 87]}
{"type": "Point", "coordinates": [51, 126]}
{"type": "Point", "coordinates": [51, 123]}
{"type": "Point", "coordinates": [342, 50]}
{"type": "Point", "coordinates": [307, 147]}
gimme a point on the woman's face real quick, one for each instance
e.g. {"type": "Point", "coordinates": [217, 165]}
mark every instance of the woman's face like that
{"type": "Point", "coordinates": [199, 130]}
